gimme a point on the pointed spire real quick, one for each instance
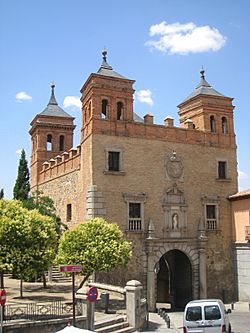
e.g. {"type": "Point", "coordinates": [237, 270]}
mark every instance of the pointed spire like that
{"type": "Point", "coordinates": [203, 82]}
{"type": "Point", "coordinates": [52, 100]}
{"type": "Point", "coordinates": [104, 60]}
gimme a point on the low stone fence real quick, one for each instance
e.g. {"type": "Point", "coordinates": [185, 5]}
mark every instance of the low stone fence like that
{"type": "Point", "coordinates": [43, 326]}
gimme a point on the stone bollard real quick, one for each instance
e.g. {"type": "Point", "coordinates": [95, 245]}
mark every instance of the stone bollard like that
{"type": "Point", "coordinates": [133, 304]}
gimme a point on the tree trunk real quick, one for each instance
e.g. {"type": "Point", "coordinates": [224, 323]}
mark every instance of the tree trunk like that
{"type": "Point", "coordinates": [1, 280]}
{"type": "Point", "coordinates": [21, 287]}
{"type": "Point", "coordinates": [44, 281]}
{"type": "Point", "coordinates": [83, 281]}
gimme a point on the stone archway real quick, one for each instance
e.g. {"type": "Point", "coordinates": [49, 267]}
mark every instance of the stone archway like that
{"type": "Point", "coordinates": [174, 279]}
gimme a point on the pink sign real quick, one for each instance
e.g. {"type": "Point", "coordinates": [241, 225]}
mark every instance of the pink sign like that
{"type": "Point", "coordinates": [70, 268]}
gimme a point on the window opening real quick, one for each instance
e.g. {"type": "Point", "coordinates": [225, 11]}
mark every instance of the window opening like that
{"type": "Point", "coordinates": [212, 312]}
{"type": "Point", "coordinates": [61, 143]}
{"type": "Point", "coordinates": [135, 220]}
{"type": "Point", "coordinates": [49, 142]}
{"type": "Point", "coordinates": [113, 161]}
{"type": "Point", "coordinates": [69, 212]}
{"type": "Point", "coordinates": [211, 222]}
{"type": "Point", "coordinates": [193, 313]}
{"type": "Point", "coordinates": [104, 114]}
{"type": "Point", "coordinates": [224, 125]}
{"type": "Point", "coordinates": [222, 170]}
{"type": "Point", "coordinates": [119, 110]}
{"type": "Point", "coordinates": [212, 124]}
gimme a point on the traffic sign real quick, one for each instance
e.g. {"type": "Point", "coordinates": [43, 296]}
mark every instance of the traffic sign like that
{"type": "Point", "coordinates": [92, 294]}
{"type": "Point", "coordinates": [70, 268]}
{"type": "Point", "coordinates": [3, 297]}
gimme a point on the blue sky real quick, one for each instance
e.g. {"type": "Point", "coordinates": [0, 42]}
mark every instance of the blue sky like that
{"type": "Point", "coordinates": [161, 44]}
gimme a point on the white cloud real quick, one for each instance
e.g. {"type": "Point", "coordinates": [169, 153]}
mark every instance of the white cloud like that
{"type": "Point", "coordinates": [144, 96]}
{"type": "Point", "coordinates": [19, 151]}
{"type": "Point", "coordinates": [23, 96]}
{"type": "Point", "coordinates": [242, 175]}
{"type": "Point", "coordinates": [186, 38]}
{"type": "Point", "coordinates": [72, 101]}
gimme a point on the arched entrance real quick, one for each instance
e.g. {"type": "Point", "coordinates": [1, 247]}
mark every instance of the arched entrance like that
{"type": "Point", "coordinates": [174, 279]}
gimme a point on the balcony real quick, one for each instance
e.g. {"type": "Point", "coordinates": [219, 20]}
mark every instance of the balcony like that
{"type": "Point", "coordinates": [247, 233]}
{"type": "Point", "coordinates": [135, 224]}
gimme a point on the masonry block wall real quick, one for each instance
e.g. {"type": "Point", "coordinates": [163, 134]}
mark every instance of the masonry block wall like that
{"type": "Point", "coordinates": [167, 187]}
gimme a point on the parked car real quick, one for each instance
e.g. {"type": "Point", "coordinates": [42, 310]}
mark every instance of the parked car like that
{"type": "Point", "coordinates": [206, 316]}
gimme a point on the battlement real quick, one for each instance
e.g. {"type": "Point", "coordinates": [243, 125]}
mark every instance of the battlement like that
{"type": "Point", "coordinates": [167, 132]}
{"type": "Point", "coordinates": [61, 165]}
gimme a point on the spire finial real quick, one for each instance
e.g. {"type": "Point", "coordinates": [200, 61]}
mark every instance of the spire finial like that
{"type": "Point", "coordinates": [104, 54]}
{"type": "Point", "coordinates": [202, 71]}
{"type": "Point", "coordinates": [52, 97]}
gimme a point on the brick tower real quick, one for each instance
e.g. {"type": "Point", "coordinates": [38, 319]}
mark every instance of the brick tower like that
{"type": "Point", "coordinates": [51, 134]}
{"type": "Point", "coordinates": [206, 109]}
{"type": "Point", "coordinates": [106, 95]}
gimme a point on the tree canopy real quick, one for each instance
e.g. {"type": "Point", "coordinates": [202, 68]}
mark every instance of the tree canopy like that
{"type": "Point", "coordinates": [95, 244]}
{"type": "Point", "coordinates": [45, 206]}
{"type": "Point", "coordinates": [27, 240]}
{"type": "Point", "coordinates": [22, 185]}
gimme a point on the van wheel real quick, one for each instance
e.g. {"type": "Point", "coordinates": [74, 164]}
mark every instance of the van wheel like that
{"type": "Point", "coordinates": [229, 329]}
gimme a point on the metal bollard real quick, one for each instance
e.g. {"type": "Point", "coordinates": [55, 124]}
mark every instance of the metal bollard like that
{"type": "Point", "coordinates": [168, 321]}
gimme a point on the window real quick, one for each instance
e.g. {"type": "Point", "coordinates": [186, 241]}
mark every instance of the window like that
{"type": "Point", "coordinates": [135, 210]}
{"type": "Point", "coordinates": [222, 170]}
{"type": "Point", "coordinates": [113, 161]}
{"type": "Point", "coordinates": [69, 212]}
{"type": "Point", "coordinates": [61, 143]}
{"type": "Point", "coordinates": [49, 142]}
{"type": "Point", "coordinates": [104, 114]}
{"type": "Point", "coordinates": [119, 110]}
{"type": "Point", "coordinates": [135, 220]}
{"type": "Point", "coordinates": [212, 124]}
{"type": "Point", "coordinates": [224, 125]}
{"type": "Point", "coordinates": [211, 217]}
{"type": "Point", "coordinates": [212, 312]}
{"type": "Point", "coordinates": [193, 313]}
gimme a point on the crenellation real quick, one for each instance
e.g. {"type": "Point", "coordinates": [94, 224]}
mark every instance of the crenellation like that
{"type": "Point", "coordinates": [61, 164]}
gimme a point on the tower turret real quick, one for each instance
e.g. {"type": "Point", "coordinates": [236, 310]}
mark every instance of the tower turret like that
{"type": "Point", "coordinates": [106, 95]}
{"type": "Point", "coordinates": [51, 134]}
{"type": "Point", "coordinates": [209, 110]}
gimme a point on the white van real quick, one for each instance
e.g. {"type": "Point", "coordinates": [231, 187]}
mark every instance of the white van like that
{"type": "Point", "coordinates": [206, 316]}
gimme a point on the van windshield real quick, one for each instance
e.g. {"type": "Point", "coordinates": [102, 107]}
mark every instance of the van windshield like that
{"type": "Point", "coordinates": [193, 313]}
{"type": "Point", "coordinates": [212, 312]}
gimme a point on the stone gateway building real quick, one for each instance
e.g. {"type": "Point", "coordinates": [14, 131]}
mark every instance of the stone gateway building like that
{"type": "Point", "coordinates": [167, 187]}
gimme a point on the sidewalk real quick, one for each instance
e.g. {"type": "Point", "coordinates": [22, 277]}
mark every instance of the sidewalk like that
{"type": "Point", "coordinates": [157, 324]}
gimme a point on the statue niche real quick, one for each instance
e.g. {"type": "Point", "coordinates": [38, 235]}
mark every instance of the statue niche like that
{"type": "Point", "coordinates": [175, 209]}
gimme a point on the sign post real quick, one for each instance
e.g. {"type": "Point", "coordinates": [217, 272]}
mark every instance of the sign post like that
{"type": "Point", "coordinates": [92, 297]}
{"type": "Point", "coordinates": [71, 269]}
{"type": "Point", "coordinates": [3, 297]}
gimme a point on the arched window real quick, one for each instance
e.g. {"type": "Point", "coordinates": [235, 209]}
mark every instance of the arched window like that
{"type": "Point", "coordinates": [61, 143]}
{"type": "Point", "coordinates": [49, 142]}
{"type": "Point", "coordinates": [104, 114]}
{"type": "Point", "coordinates": [224, 125]}
{"type": "Point", "coordinates": [212, 124]}
{"type": "Point", "coordinates": [119, 110]}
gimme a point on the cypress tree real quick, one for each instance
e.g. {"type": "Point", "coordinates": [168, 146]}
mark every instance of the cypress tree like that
{"type": "Point", "coordinates": [22, 185]}
{"type": "Point", "coordinates": [1, 193]}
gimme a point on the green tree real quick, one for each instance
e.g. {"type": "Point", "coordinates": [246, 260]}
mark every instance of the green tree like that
{"type": "Point", "coordinates": [96, 245]}
{"type": "Point", "coordinates": [27, 240]}
{"type": "Point", "coordinates": [45, 206]}
{"type": "Point", "coordinates": [1, 193]}
{"type": "Point", "coordinates": [22, 186]}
